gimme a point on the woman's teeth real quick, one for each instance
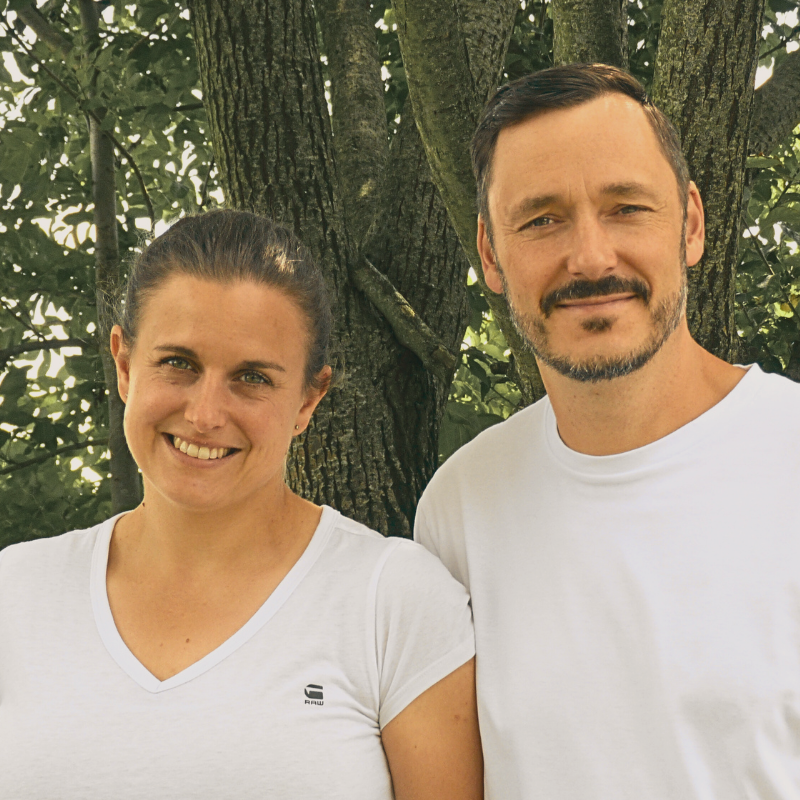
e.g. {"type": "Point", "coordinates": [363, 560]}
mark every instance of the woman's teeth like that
{"type": "Point", "coordinates": [194, 451]}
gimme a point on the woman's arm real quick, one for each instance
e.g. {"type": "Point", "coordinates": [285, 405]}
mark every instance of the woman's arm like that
{"type": "Point", "coordinates": [433, 745]}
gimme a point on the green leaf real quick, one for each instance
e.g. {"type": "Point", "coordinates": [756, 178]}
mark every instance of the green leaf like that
{"type": "Point", "coordinates": [762, 162]}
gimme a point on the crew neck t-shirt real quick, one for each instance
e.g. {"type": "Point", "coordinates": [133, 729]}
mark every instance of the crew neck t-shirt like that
{"type": "Point", "coordinates": [291, 706]}
{"type": "Point", "coordinates": [637, 616]}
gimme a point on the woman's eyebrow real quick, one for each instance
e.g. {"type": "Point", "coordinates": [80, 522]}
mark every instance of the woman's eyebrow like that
{"type": "Point", "coordinates": [261, 365]}
{"type": "Point", "coordinates": [176, 348]}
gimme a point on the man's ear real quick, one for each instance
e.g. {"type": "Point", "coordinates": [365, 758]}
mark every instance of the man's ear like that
{"type": "Point", "coordinates": [695, 226]}
{"type": "Point", "coordinates": [491, 274]}
{"type": "Point", "coordinates": [121, 354]}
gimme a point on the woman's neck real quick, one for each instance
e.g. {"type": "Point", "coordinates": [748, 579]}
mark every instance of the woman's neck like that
{"type": "Point", "coordinates": [164, 537]}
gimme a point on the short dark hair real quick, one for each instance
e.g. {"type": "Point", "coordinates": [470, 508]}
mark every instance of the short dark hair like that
{"type": "Point", "coordinates": [225, 246]}
{"type": "Point", "coordinates": [565, 87]}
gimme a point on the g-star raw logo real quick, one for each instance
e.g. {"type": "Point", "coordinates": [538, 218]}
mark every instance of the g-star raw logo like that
{"type": "Point", "coordinates": [314, 695]}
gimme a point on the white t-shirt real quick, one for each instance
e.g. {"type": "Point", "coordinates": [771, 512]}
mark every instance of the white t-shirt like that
{"type": "Point", "coordinates": [637, 616]}
{"type": "Point", "coordinates": [290, 707]}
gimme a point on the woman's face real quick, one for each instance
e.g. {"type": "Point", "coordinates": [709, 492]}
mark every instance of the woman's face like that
{"type": "Point", "coordinates": [213, 389]}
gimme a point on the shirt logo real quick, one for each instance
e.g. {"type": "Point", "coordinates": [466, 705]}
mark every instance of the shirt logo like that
{"type": "Point", "coordinates": [314, 695]}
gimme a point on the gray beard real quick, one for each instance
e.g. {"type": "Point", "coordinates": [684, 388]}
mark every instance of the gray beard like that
{"type": "Point", "coordinates": [664, 319]}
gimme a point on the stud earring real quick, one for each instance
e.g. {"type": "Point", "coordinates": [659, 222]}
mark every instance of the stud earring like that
{"type": "Point", "coordinates": [297, 427]}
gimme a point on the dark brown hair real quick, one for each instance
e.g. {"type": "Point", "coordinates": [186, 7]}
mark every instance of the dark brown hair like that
{"type": "Point", "coordinates": [565, 87]}
{"type": "Point", "coordinates": [227, 246]}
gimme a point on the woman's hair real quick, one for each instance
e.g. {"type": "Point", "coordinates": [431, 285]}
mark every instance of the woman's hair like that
{"type": "Point", "coordinates": [227, 246]}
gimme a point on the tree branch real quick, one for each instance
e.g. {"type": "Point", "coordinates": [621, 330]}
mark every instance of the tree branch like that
{"type": "Point", "coordinates": [125, 488]}
{"type": "Point", "coordinates": [360, 133]}
{"type": "Point", "coordinates": [44, 30]}
{"type": "Point", "coordinates": [409, 328]}
{"type": "Point", "coordinates": [204, 190]}
{"type": "Point", "coordinates": [25, 321]}
{"type": "Point", "coordinates": [446, 105]}
{"type": "Point", "coordinates": [50, 344]}
{"type": "Point", "coordinates": [448, 94]}
{"type": "Point", "coordinates": [59, 451]}
{"type": "Point", "coordinates": [776, 106]}
{"type": "Point", "coordinates": [93, 116]}
{"type": "Point", "coordinates": [589, 31]}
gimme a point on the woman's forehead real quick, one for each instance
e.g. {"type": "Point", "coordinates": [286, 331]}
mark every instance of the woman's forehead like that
{"type": "Point", "coordinates": [188, 309]}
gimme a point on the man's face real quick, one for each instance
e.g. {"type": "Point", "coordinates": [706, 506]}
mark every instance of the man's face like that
{"type": "Point", "coordinates": [590, 238]}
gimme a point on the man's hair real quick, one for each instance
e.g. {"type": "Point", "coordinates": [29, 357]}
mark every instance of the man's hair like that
{"type": "Point", "coordinates": [565, 87]}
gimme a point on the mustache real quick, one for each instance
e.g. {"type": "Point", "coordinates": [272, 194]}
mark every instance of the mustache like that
{"type": "Point", "coordinates": [580, 290]}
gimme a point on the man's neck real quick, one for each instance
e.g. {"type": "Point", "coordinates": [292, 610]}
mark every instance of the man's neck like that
{"type": "Point", "coordinates": [680, 383]}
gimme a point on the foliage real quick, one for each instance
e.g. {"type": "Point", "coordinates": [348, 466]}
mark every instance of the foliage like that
{"type": "Point", "coordinates": [768, 299]}
{"type": "Point", "coordinates": [53, 402]}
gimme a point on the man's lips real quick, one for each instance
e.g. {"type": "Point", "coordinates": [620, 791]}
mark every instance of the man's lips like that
{"type": "Point", "coordinates": [593, 302]}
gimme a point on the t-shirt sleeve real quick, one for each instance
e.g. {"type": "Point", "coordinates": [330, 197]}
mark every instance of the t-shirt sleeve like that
{"type": "Point", "coordinates": [439, 526]}
{"type": "Point", "coordinates": [423, 627]}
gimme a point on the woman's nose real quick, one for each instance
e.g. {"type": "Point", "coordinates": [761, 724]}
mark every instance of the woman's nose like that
{"type": "Point", "coordinates": [206, 408]}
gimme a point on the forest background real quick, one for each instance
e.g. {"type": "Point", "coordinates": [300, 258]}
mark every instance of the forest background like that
{"type": "Point", "coordinates": [349, 121]}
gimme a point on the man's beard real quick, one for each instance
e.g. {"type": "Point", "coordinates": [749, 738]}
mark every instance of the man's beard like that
{"type": "Point", "coordinates": [664, 319]}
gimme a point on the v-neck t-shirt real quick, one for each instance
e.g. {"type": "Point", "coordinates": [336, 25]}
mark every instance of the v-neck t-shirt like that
{"type": "Point", "coordinates": [290, 706]}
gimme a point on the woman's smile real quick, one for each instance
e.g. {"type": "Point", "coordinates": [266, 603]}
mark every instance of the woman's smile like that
{"type": "Point", "coordinates": [215, 380]}
{"type": "Point", "coordinates": [201, 452]}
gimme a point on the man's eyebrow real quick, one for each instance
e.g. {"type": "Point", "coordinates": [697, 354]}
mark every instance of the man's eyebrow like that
{"type": "Point", "coordinates": [530, 205]}
{"type": "Point", "coordinates": [189, 353]}
{"type": "Point", "coordinates": [629, 189]}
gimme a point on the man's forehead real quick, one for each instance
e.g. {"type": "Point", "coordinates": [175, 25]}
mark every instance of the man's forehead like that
{"type": "Point", "coordinates": [600, 119]}
{"type": "Point", "coordinates": [606, 141]}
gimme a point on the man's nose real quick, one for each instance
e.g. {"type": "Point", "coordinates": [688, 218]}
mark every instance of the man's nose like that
{"type": "Point", "coordinates": [206, 408]}
{"type": "Point", "coordinates": [592, 252]}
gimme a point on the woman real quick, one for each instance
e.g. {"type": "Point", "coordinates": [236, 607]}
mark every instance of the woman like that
{"type": "Point", "coordinates": [227, 638]}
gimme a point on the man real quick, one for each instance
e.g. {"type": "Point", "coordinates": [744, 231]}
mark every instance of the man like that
{"type": "Point", "coordinates": [632, 541]}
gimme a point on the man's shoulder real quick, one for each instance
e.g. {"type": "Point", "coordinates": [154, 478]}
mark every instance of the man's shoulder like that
{"type": "Point", "coordinates": [493, 449]}
{"type": "Point", "coordinates": [775, 401]}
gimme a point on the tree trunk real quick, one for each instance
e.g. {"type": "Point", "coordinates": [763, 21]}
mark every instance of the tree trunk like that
{"type": "Point", "coordinates": [360, 134]}
{"type": "Point", "coordinates": [372, 445]}
{"type": "Point", "coordinates": [450, 77]}
{"type": "Point", "coordinates": [590, 31]}
{"type": "Point", "coordinates": [705, 72]}
{"type": "Point", "coordinates": [125, 485]}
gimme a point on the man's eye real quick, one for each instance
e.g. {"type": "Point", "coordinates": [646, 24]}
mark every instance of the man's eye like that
{"type": "Point", "coordinates": [630, 209]}
{"type": "Point", "coordinates": [177, 362]}
{"type": "Point", "coordinates": [541, 222]}
{"type": "Point", "coordinates": [255, 379]}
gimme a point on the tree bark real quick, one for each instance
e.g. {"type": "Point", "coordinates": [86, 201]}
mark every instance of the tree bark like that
{"type": "Point", "coordinates": [125, 485]}
{"type": "Point", "coordinates": [360, 133]}
{"type": "Point", "coordinates": [452, 63]}
{"type": "Point", "coordinates": [776, 106]}
{"type": "Point", "coordinates": [590, 31]}
{"type": "Point", "coordinates": [704, 79]}
{"type": "Point", "coordinates": [372, 445]}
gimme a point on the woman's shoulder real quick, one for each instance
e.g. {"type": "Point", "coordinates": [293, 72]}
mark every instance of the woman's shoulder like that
{"type": "Point", "coordinates": [396, 565]}
{"type": "Point", "coordinates": [51, 553]}
{"type": "Point", "coordinates": [358, 538]}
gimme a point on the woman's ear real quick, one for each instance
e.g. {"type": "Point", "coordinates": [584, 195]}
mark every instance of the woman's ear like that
{"type": "Point", "coordinates": [120, 351]}
{"type": "Point", "coordinates": [313, 396]}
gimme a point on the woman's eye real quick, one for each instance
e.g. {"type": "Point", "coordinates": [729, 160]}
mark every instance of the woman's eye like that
{"type": "Point", "coordinates": [255, 378]}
